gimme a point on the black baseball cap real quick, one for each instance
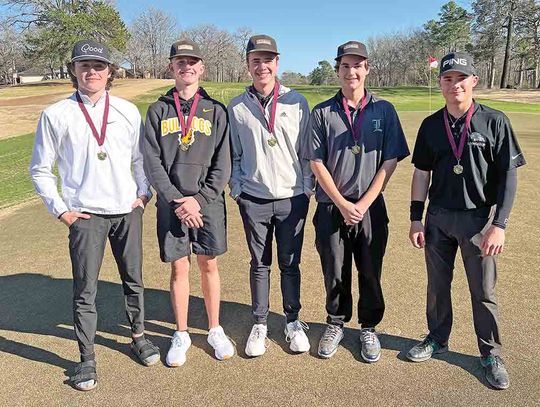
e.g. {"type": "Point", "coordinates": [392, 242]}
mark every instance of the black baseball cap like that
{"type": "Point", "coordinates": [185, 48]}
{"type": "Point", "coordinates": [457, 62]}
{"type": "Point", "coordinates": [89, 49]}
{"type": "Point", "coordinates": [261, 43]}
{"type": "Point", "coordinates": [352, 48]}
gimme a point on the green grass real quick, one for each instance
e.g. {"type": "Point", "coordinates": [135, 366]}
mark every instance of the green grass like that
{"type": "Point", "coordinates": [405, 99]}
{"type": "Point", "coordinates": [15, 153]}
{"type": "Point", "coordinates": [15, 184]}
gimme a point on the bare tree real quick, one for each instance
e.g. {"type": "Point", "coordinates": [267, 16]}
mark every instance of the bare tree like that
{"type": "Point", "coordinates": [152, 34]}
{"type": "Point", "coordinates": [527, 25]}
{"type": "Point", "coordinates": [52, 26]}
{"type": "Point", "coordinates": [221, 51]}
{"type": "Point", "coordinates": [11, 53]}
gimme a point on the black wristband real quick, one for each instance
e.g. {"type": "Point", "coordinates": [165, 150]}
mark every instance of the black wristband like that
{"type": "Point", "coordinates": [500, 224]}
{"type": "Point", "coordinates": [417, 210]}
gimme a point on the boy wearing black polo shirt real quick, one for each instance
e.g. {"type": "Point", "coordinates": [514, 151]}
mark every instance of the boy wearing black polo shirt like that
{"type": "Point", "coordinates": [187, 160]}
{"type": "Point", "coordinates": [356, 142]}
{"type": "Point", "coordinates": [470, 154]}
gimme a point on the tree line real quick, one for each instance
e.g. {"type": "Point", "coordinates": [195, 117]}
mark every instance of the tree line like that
{"type": "Point", "coordinates": [503, 36]}
{"type": "Point", "coordinates": [40, 34]}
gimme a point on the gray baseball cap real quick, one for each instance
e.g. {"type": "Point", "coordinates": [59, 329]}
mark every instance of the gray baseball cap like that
{"type": "Point", "coordinates": [352, 48]}
{"type": "Point", "coordinates": [457, 62]}
{"type": "Point", "coordinates": [89, 49]}
{"type": "Point", "coordinates": [185, 48]}
{"type": "Point", "coordinates": [261, 43]}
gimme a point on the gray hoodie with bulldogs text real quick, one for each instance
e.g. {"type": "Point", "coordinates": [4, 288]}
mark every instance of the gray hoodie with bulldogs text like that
{"type": "Point", "coordinates": [202, 167]}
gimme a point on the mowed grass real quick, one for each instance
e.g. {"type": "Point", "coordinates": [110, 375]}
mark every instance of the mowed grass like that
{"type": "Point", "coordinates": [35, 89]}
{"type": "Point", "coordinates": [15, 153]}
{"type": "Point", "coordinates": [405, 99]}
{"type": "Point", "coordinates": [15, 184]}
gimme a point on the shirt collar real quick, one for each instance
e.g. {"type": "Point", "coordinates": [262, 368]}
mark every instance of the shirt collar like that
{"type": "Point", "coordinates": [339, 99]}
{"type": "Point", "coordinates": [86, 100]}
{"type": "Point", "coordinates": [461, 119]}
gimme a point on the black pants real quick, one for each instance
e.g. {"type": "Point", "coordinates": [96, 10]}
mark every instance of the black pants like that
{"type": "Point", "coordinates": [446, 230]}
{"type": "Point", "coordinates": [337, 245]}
{"type": "Point", "coordinates": [286, 218]}
{"type": "Point", "coordinates": [87, 239]}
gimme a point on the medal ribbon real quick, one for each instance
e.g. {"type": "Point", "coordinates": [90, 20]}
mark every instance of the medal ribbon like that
{"type": "Point", "coordinates": [270, 124]}
{"type": "Point", "coordinates": [100, 138]}
{"type": "Point", "coordinates": [356, 128]}
{"type": "Point", "coordinates": [185, 126]}
{"type": "Point", "coordinates": [458, 151]}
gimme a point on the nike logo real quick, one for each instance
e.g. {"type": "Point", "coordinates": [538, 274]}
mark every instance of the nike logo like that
{"type": "Point", "coordinates": [207, 110]}
{"type": "Point", "coordinates": [516, 156]}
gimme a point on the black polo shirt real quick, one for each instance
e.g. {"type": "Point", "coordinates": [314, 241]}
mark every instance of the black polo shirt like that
{"type": "Point", "coordinates": [490, 150]}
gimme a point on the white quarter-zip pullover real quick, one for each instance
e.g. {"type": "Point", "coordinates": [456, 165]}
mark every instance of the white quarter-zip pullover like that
{"type": "Point", "coordinates": [261, 170]}
{"type": "Point", "coordinates": [88, 184]}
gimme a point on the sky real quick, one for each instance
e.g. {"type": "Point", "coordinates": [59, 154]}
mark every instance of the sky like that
{"type": "Point", "coordinates": [306, 31]}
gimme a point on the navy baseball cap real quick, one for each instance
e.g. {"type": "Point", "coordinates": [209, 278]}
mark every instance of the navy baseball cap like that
{"type": "Point", "coordinates": [185, 48]}
{"type": "Point", "coordinates": [263, 43]}
{"type": "Point", "coordinates": [457, 62]}
{"type": "Point", "coordinates": [89, 49]}
{"type": "Point", "coordinates": [352, 48]}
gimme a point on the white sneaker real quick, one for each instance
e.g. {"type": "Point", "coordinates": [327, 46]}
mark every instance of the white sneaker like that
{"type": "Point", "coordinates": [223, 347]}
{"type": "Point", "coordinates": [294, 333]}
{"type": "Point", "coordinates": [180, 343]}
{"type": "Point", "coordinates": [256, 344]}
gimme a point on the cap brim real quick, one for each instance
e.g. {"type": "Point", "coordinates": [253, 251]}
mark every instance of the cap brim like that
{"type": "Point", "coordinates": [90, 58]}
{"type": "Point", "coordinates": [185, 55]}
{"type": "Point", "coordinates": [263, 50]}
{"type": "Point", "coordinates": [350, 53]}
{"type": "Point", "coordinates": [457, 70]}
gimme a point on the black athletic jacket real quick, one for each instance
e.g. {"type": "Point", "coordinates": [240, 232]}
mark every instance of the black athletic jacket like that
{"type": "Point", "coordinates": [205, 168]}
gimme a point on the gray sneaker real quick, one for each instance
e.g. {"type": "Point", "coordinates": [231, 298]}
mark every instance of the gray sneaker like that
{"type": "Point", "coordinates": [496, 373]}
{"type": "Point", "coordinates": [425, 350]}
{"type": "Point", "coordinates": [371, 347]}
{"type": "Point", "coordinates": [330, 340]}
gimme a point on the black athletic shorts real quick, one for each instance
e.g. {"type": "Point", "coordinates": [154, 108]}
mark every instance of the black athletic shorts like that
{"type": "Point", "coordinates": [176, 240]}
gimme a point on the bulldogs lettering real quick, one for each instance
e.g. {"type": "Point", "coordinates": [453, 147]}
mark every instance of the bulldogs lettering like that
{"type": "Point", "coordinates": [199, 124]}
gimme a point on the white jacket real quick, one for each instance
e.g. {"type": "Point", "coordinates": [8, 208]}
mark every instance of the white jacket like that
{"type": "Point", "coordinates": [89, 184]}
{"type": "Point", "coordinates": [261, 170]}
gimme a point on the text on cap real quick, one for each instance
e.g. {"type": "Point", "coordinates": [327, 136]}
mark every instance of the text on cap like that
{"type": "Point", "coordinates": [452, 61]}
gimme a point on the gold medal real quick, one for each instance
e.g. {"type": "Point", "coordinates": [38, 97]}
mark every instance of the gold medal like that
{"type": "Point", "coordinates": [272, 141]}
{"type": "Point", "coordinates": [356, 149]}
{"type": "Point", "coordinates": [186, 141]}
{"type": "Point", "coordinates": [102, 155]}
{"type": "Point", "coordinates": [458, 169]}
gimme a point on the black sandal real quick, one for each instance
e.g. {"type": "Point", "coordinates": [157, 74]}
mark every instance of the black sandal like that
{"type": "Point", "coordinates": [145, 351]}
{"type": "Point", "coordinates": [84, 372]}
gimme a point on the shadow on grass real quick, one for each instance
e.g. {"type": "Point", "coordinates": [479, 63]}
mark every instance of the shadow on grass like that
{"type": "Point", "coordinates": [470, 364]}
{"type": "Point", "coordinates": [40, 304]}
{"type": "Point", "coordinates": [351, 342]}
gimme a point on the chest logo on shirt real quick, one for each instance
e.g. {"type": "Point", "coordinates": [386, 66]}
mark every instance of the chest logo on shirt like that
{"type": "Point", "coordinates": [198, 125]}
{"type": "Point", "coordinates": [476, 139]}
{"type": "Point", "coordinates": [376, 125]}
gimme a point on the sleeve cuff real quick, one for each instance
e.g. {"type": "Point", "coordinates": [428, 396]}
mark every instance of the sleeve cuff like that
{"type": "Point", "coordinates": [146, 192]}
{"type": "Point", "coordinates": [59, 209]}
{"type": "Point", "coordinates": [200, 199]}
